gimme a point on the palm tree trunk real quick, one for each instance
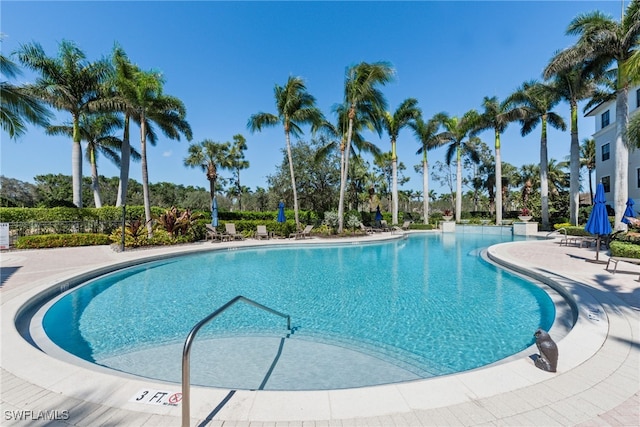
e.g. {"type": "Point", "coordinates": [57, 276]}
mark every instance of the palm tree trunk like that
{"type": "Point", "coordinates": [425, 187]}
{"type": "Point", "coordinates": [574, 165]}
{"type": "Point", "coordinates": [125, 153]}
{"type": "Point", "coordinates": [544, 182]}
{"type": "Point", "coordinates": [345, 175]}
{"type": "Point", "coordinates": [293, 181]}
{"type": "Point", "coordinates": [498, 173]}
{"type": "Point", "coordinates": [145, 176]}
{"type": "Point", "coordinates": [621, 183]}
{"type": "Point", "coordinates": [76, 163]}
{"type": "Point", "coordinates": [394, 183]}
{"type": "Point", "coordinates": [95, 185]}
{"type": "Point", "coordinates": [458, 184]}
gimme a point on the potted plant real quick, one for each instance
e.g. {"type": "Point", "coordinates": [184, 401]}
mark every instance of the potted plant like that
{"type": "Point", "coordinates": [447, 215]}
{"type": "Point", "coordinates": [525, 215]}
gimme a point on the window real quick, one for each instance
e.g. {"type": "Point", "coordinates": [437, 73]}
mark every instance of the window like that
{"type": "Point", "coordinates": [638, 98]}
{"type": "Point", "coordinates": [604, 119]}
{"type": "Point", "coordinates": [638, 170]}
{"type": "Point", "coordinates": [606, 182]}
{"type": "Point", "coordinates": [606, 154]}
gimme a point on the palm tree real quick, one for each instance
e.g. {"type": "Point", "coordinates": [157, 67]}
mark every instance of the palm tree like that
{"type": "Point", "coordinates": [426, 133]}
{"type": "Point", "coordinates": [238, 162]}
{"type": "Point", "coordinates": [497, 116]}
{"type": "Point", "coordinates": [574, 84]}
{"type": "Point", "coordinates": [97, 131]}
{"type": "Point", "coordinates": [456, 130]}
{"type": "Point", "coordinates": [68, 83]}
{"type": "Point", "coordinates": [536, 101]}
{"type": "Point", "coordinates": [588, 160]}
{"type": "Point", "coordinates": [405, 114]}
{"type": "Point", "coordinates": [362, 100]}
{"type": "Point", "coordinates": [602, 40]}
{"type": "Point", "coordinates": [209, 156]}
{"type": "Point", "coordinates": [149, 106]}
{"type": "Point", "coordinates": [295, 107]}
{"type": "Point", "coordinates": [17, 106]}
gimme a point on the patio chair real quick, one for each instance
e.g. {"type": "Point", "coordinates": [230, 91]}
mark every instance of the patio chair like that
{"type": "Point", "coordinates": [231, 231]}
{"type": "Point", "coordinates": [405, 225]}
{"type": "Point", "coordinates": [302, 234]}
{"type": "Point", "coordinates": [384, 226]}
{"type": "Point", "coordinates": [214, 234]}
{"type": "Point", "coordinates": [261, 232]}
{"type": "Point", "coordinates": [367, 230]}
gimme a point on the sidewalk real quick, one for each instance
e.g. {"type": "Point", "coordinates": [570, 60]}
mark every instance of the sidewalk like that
{"type": "Point", "coordinates": [597, 383]}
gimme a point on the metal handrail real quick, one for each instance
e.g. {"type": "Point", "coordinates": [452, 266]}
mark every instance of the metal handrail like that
{"type": "Point", "coordinates": [186, 352]}
{"type": "Point", "coordinates": [557, 231]}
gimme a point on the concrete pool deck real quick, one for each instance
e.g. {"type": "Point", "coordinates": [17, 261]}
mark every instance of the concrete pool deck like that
{"type": "Point", "coordinates": [597, 383]}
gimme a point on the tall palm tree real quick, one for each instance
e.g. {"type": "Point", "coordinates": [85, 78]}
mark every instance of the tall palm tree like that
{"type": "Point", "coordinates": [238, 163]}
{"type": "Point", "coordinates": [406, 113]}
{"type": "Point", "coordinates": [151, 106]}
{"type": "Point", "coordinates": [536, 101]}
{"type": "Point", "coordinates": [604, 40]}
{"type": "Point", "coordinates": [364, 100]}
{"type": "Point", "coordinates": [209, 156]}
{"type": "Point", "coordinates": [456, 130]}
{"type": "Point", "coordinates": [588, 160]}
{"type": "Point", "coordinates": [426, 133]}
{"type": "Point", "coordinates": [17, 106]}
{"type": "Point", "coordinates": [68, 83]}
{"type": "Point", "coordinates": [97, 131]}
{"type": "Point", "coordinates": [295, 107]}
{"type": "Point", "coordinates": [575, 84]}
{"type": "Point", "coordinates": [497, 116]}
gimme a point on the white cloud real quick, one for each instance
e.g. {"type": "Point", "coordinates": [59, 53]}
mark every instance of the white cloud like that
{"type": "Point", "coordinates": [167, 153]}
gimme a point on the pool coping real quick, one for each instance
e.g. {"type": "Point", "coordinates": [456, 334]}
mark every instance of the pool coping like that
{"type": "Point", "coordinates": [601, 330]}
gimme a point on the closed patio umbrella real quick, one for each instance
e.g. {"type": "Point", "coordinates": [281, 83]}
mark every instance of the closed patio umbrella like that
{"type": "Point", "coordinates": [281, 217]}
{"type": "Point", "coordinates": [628, 212]}
{"type": "Point", "coordinates": [214, 212]}
{"type": "Point", "coordinates": [378, 214]}
{"type": "Point", "coordinates": [598, 222]}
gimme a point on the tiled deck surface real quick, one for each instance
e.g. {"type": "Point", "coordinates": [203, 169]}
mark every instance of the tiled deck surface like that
{"type": "Point", "coordinates": [597, 383]}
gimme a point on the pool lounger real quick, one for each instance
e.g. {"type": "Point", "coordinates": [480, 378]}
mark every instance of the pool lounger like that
{"type": "Point", "coordinates": [615, 260]}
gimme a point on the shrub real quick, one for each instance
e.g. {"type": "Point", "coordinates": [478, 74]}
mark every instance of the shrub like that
{"type": "Point", "coordinates": [624, 249]}
{"type": "Point", "coordinates": [61, 240]}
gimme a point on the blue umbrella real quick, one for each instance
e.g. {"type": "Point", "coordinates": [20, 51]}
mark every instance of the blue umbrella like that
{"type": "Point", "coordinates": [214, 212]}
{"type": "Point", "coordinates": [629, 211]}
{"type": "Point", "coordinates": [598, 222]}
{"type": "Point", "coordinates": [281, 217]}
{"type": "Point", "coordinates": [378, 214]}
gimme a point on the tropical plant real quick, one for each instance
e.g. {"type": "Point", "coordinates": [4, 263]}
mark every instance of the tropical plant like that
{"type": "Point", "coordinates": [535, 101]}
{"type": "Point", "coordinates": [406, 113]}
{"type": "Point", "coordinates": [497, 116]}
{"type": "Point", "coordinates": [68, 83]}
{"type": "Point", "coordinates": [209, 156]}
{"type": "Point", "coordinates": [588, 160]}
{"type": "Point", "coordinates": [426, 133]}
{"type": "Point", "coordinates": [295, 107]}
{"type": "Point", "coordinates": [575, 84]}
{"type": "Point", "coordinates": [18, 106]}
{"type": "Point", "coordinates": [97, 131]}
{"type": "Point", "coordinates": [456, 130]}
{"type": "Point", "coordinates": [603, 41]}
{"type": "Point", "coordinates": [364, 101]}
{"type": "Point", "coordinates": [238, 163]}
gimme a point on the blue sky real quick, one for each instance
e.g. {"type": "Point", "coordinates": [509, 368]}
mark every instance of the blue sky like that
{"type": "Point", "coordinates": [222, 59]}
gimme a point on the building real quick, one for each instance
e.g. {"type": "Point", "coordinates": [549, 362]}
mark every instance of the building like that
{"type": "Point", "coordinates": [605, 138]}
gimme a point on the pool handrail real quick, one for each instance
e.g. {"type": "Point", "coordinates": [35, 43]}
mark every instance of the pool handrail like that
{"type": "Point", "coordinates": [186, 351]}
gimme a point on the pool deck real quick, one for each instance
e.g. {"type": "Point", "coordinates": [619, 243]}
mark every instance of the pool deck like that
{"type": "Point", "coordinates": [597, 383]}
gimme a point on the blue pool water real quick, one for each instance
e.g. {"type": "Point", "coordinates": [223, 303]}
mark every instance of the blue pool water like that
{"type": "Point", "coordinates": [428, 304]}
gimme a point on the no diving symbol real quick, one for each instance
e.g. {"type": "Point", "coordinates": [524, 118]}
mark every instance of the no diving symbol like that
{"type": "Point", "coordinates": [175, 398]}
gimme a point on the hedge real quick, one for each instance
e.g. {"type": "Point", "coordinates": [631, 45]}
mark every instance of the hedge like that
{"type": "Point", "coordinates": [62, 240]}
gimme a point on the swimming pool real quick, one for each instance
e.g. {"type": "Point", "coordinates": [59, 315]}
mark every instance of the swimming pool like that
{"type": "Point", "coordinates": [414, 308]}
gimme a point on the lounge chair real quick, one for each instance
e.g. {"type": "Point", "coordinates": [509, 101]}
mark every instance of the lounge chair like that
{"type": "Point", "coordinates": [214, 234]}
{"type": "Point", "coordinates": [405, 225]}
{"type": "Point", "coordinates": [262, 233]}
{"type": "Point", "coordinates": [616, 259]}
{"type": "Point", "coordinates": [367, 230]}
{"type": "Point", "coordinates": [231, 231]}
{"type": "Point", "coordinates": [302, 234]}
{"type": "Point", "coordinates": [384, 226]}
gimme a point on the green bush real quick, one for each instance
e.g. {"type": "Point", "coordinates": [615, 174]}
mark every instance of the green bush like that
{"type": "Point", "coordinates": [624, 249]}
{"type": "Point", "coordinates": [61, 240]}
{"type": "Point", "coordinates": [418, 226]}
